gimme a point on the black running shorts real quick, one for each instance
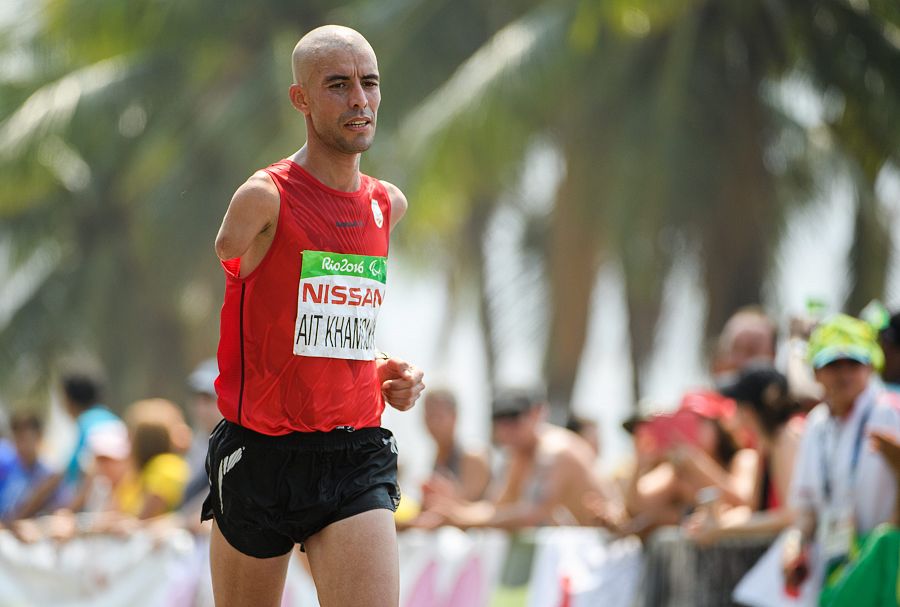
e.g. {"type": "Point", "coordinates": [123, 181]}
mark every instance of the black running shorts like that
{"type": "Point", "coordinates": [268, 493]}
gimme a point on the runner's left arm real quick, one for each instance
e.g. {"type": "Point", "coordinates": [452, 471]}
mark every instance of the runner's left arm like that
{"type": "Point", "coordinates": [401, 381]}
{"type": "Point", "coordinates": [399, 203]}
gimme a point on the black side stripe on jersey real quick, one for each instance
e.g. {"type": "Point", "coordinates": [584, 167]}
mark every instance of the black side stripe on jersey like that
{"type": "Point", "coordinates": [241, 395]}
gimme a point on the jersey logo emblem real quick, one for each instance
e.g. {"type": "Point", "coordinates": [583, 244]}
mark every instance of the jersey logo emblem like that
{"type": "Point", "coordinates": [377, 214]}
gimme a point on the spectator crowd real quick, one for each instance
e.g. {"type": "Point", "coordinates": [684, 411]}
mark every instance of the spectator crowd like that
{"type": "Point", "coordinates": [797, 436]}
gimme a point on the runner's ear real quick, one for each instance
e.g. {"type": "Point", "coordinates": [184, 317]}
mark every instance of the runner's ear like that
{"type": "Point", "coordinates": [298, 99]}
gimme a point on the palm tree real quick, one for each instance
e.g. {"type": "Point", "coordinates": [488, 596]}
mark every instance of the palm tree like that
{"type": "Point", "coordinates": [141, 121]}
{"type": "Point", "coordinates": [852, 53]}
{"type": "Point", "coordinates": [660, 114]}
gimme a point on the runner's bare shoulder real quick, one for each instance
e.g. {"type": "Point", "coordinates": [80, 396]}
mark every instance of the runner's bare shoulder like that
{"type": "Point", "coordinates": [398, 202]}
{"type": "Point", "coordinates": [260, 193]}
{"type": "Point", "coordinates": [253, 211]}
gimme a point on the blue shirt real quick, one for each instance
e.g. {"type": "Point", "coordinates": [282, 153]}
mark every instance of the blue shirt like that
{"type": "Point", "coordinates": [8, 459]}
{"type": "Point", "coordinates": [87, 421]}
{"type": "Point", "coordinates": [20, 482]}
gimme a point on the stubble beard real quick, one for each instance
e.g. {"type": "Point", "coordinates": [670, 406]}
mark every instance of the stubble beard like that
{"type": "Point", "coordinates": [335, 139]}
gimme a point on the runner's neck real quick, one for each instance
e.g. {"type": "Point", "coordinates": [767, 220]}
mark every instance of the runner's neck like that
{"type": "Point", "coordinates": [334, 169]}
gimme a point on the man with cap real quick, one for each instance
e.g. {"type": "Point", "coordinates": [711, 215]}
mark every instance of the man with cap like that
{"type": "Point", "coordinates": [841, 488]}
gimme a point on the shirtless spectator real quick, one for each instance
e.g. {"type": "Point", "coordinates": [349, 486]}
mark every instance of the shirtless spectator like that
{"type": "Point", "coordinates": [550, 470]}
{"type": "Point", "coordinates": [467, 470]}
{"type": "Point", "coordinates": [588, 429]}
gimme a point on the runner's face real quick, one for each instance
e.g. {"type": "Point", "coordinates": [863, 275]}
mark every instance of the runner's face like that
{"type": "Point", "coordinates": [342, 97]}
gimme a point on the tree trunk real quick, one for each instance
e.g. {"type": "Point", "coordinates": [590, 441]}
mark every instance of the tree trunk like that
{"type": "Point", "coordinates": [478, 225]}
{"type": "Point", "coordinates": [870, 252]}
{"type": "Point", "coordinates": [644, 271]}
{"type": "Point", "coordinates": [572, 265]}
{"type": "Point", "coordinates": [743, 217]}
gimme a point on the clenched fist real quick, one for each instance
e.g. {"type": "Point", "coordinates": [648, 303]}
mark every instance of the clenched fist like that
{"type": "Point", "coordinates": [401, 382]}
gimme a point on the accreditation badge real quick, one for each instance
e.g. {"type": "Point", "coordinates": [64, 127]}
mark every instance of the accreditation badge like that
{"type": "Point", "coordinates": [338, 302]}
{"type": "Point", "coordinates": [836, 531]}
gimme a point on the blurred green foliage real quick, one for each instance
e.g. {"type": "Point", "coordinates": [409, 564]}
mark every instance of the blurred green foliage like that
{"type": "Point", "coordinates": [126, 126]}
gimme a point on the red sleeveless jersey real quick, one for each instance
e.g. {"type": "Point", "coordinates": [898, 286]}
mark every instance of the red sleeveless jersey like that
{"type": "Point", "coordinates": [296, 349]}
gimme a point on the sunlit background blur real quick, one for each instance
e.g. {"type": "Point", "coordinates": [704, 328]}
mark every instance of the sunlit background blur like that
{"type": "Point", "coordinates": [594, 185]}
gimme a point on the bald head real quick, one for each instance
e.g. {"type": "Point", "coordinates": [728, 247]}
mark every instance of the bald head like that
{"type": "Point", "coordinates": [321, 42]}
{"type": "Point", "coordinates": [749, 335]}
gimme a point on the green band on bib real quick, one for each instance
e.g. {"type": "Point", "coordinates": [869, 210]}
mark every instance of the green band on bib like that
{"type": "Point", "coordinates": [322, 263]}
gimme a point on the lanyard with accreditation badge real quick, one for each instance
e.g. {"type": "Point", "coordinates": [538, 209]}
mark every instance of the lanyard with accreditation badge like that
{"type": "Point", "coordinates": [837, 524]}
{"type": "Point", "coordinates": [854, 461]}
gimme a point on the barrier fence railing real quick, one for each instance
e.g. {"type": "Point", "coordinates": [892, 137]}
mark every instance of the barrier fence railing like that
{"type": "Point", "coordinates": [547, 567]}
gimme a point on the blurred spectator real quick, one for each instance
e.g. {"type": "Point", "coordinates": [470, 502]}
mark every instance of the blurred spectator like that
{"type": "Point", "coordinates": [81, 394]}
{"type": "Point", "coordinates": [588, 429]}
{"type": "Point", "coordinates": [159, 474]}
{"type": "Point", "coordinates": [764, 406]}
{"type": "Point", "coordinates": [889, 339]}
{"type": "Point", "coordinates": [468, 470]}
{"type": "Point", "coordinates": [205, 415]}
{"type": "Point", "coordinates": [765, 409]}
{"type": "Point", "coordinates": [871, 580]}
{"type": "Point", "coordinates": [748, 336]}
{"type": "Point", "coordinates": [805, 390]}
{"type": "Point", "coordinates": [841, 490]}
{"type": "Point", "coordinates": [548, 475]}
{"type": "Point", "coordinates": [7, 459]}
{"type": "Point", "coordinates": [26, 471]}
{"type": "Point", "coordinates": [111, 452]}
{"type": "Point", "coordinates": [706, 466]}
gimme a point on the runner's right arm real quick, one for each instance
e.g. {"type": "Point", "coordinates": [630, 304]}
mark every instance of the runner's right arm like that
{"type": "Point", "coordinates": [253, 211]}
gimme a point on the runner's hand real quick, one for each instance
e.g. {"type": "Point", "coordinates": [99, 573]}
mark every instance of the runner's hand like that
{"type": "Point", "coordinates": [401, 383]}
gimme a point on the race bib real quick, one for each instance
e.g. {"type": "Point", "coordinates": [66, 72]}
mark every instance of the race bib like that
{"type": "Point", "coordinates": [337, 305]}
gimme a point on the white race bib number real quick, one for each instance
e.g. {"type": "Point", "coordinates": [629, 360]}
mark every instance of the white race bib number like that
{"type": "Point", "coordinates": [337, 305]}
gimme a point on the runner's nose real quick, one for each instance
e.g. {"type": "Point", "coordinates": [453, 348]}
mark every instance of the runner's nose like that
{"type": "Point", "coordinates": [358, 97]}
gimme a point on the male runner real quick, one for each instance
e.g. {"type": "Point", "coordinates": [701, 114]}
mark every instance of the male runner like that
{"type": "Point", "coordinates": [300, 456]}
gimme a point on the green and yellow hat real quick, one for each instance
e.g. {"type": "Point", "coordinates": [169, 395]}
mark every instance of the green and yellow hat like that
{"type": "Point", "coordinates": [844, 337]}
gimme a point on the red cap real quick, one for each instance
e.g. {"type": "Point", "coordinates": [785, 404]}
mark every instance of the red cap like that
{"type": "Point", "coordinates": [707, 403]}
